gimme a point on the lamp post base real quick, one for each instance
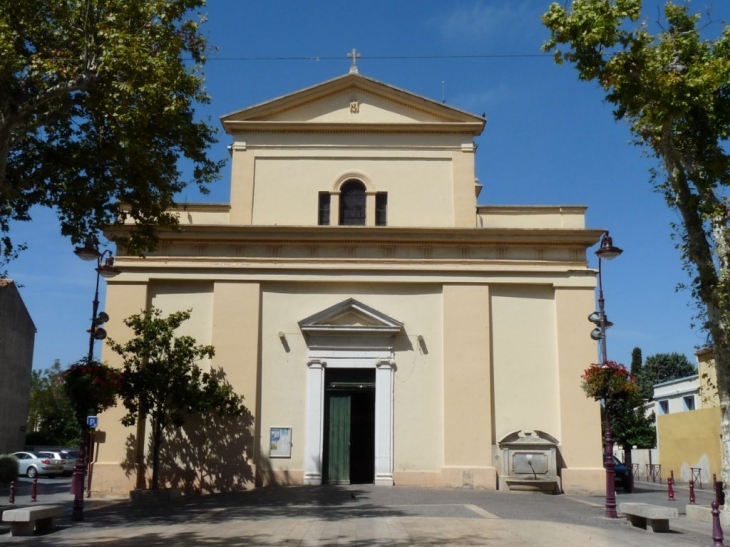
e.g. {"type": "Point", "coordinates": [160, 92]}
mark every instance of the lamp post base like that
{"type": "Point", "coordinates": [79, 477]}
{"type": "Point", "coordinates": [610, 473]}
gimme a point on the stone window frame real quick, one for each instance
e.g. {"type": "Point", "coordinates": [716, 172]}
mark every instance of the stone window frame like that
{"type": "Point", "coordinates": [324, 213]}
{"type": "Point", "coordinates": [371, 194]}
{"type": "Point", "coordinates": [353, 192]}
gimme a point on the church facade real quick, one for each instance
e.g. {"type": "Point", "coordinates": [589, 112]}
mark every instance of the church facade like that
{"type": "Point", "coordinates": [382, 327]}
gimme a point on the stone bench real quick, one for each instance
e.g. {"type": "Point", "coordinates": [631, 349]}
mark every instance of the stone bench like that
{"type": "Point", "coordinates": [25, 520]}
{"type": "Point", "coordinates": [656, 516]}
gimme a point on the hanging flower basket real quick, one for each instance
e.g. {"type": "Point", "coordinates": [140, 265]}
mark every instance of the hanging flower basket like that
{"type": "Point", "coordinates": [609, 381]}
{"type": "Point", "coordinates": [92, 387]}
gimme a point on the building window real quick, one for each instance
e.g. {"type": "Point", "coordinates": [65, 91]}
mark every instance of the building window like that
{"type": "Point", "coordinates": [381, 209]}
{"type": "Point", "coordinates": [689, 402]}
{"type": "Point", "coordinates": [352, 203]}
{"type": "Point", "coordinates": [324, 208]}
{"type": "Point", "coordinates": [664, 407]}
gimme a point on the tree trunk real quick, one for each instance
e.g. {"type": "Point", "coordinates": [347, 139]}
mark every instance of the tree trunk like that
{"type": "Point", "coordinates": [156, 440]}
{"type": "Point", "coordinates": [713, 271]}
{"type": "Point", "coordinates": [139, 452]}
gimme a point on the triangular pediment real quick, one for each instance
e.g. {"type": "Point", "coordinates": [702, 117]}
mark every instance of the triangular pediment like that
{"type": "Point", "coordinates": [350, 317]}
{"type": "Point", "coordinates": [352, 101]}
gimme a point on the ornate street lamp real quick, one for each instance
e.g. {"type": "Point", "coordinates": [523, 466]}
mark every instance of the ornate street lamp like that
{"type": "Point", "coordinates": [104, 268]}
{"type": "Point", "coordinates": [607, 251]}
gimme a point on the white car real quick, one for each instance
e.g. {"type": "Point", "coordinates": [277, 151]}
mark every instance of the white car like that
{"type": "Point", "coordinates": [69, 462]}
{"type": "Point", "coordinates": [32, 465]}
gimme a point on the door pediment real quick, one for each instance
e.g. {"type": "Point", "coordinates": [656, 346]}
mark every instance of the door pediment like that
{"type": "Point", "coordinates": [350, 317]}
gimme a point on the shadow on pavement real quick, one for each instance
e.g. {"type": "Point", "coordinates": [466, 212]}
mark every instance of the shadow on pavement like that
{"type": "Point", "coordinates": [239, 517]}
{"type": "Point", "coordinates": [161, 539]}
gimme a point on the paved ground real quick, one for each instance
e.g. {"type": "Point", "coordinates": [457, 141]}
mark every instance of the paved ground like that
{"type": "Point", "coordinates": [359, 516]}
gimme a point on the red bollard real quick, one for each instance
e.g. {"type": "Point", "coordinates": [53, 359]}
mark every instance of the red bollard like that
{"type": "Point", "coordinates": [12, 493]}
{"type": "Point", "coordinates": [670, 489]}
{"type": "Point", "coordinates": [691, 492]}
{"type": "Point", "coordinates": [716, 528]}
{"type": "Point", "coordinates": [719, 493]}
{"type": "Point", "coordinates": [34, 490]}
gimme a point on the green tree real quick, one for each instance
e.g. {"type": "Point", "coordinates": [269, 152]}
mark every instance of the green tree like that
{"type": "Point", "coordinates": [97, 112]}
{"type": "Point", "coordinates": [161, 378]}
{"type": "Point", "coordinates": [673, 89]}
{"type": "Point", "coordinates": [51, 418]}
{"type": "Point", "coordinates": [636, 360]}
{"type": "Point", "coordinates": [663, 367]}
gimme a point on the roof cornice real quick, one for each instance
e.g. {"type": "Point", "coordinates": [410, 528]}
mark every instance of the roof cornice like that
{"type": "Point", "coordinates": [256, 126]}
{"type": "Point", "coordinates": [363, 235]}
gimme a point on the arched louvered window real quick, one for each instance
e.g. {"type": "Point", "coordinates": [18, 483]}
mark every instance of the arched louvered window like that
{"type": "Point", "coordinates": [352, 203]}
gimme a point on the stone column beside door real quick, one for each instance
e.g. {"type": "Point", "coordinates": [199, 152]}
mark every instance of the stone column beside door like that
{"type": "Point", "coordinates": [384, 422]}
{"type": "Point", "coordinates": [315, 418]}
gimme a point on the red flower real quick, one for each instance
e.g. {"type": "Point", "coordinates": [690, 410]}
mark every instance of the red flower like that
{"type": "Point", "coordinates": [609, 380]}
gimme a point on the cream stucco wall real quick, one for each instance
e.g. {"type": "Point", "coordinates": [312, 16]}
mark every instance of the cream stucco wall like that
{"type": "Point", "coordinates": [417, 387]}
{"type": "Point", "coordinates": [580, 440]}
{"type": "Point", "coordinates": [443, 382]}
{"type": "Point", "coordinates": [524, 349]}
{"type": "Point", "coordinates": [236, 330]}
{"type": "Point", "coordinates": [204, 214]}
{"type": "Point", "coordinates": [372, 108]}
{"type": "Point", "coordinates": [228, 309]}
{"type": "Point", "coordinates": [539, 355]}
{"type": "Point", "coordinates": [287, 188]}
{"type": "Point", "coordinates": [277, 177]}
{"type": "Point", "coordinates": [467, 388]}
{"type": "Point", "coordinates": [196, 296]}
{"type": "Point", "coordinates": [115, 470]}
{"type": "Point", "coordinates": [464, 180]}
{"type": "Point", "coordinates": [531, 216]}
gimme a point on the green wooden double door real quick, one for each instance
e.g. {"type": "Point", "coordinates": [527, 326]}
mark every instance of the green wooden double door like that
{"type": "Point", "coordinates": [349, 441]}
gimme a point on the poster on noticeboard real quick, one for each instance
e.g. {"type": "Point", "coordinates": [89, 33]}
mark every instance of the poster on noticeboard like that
{"type": "Point", "coordinates": [280, 442]}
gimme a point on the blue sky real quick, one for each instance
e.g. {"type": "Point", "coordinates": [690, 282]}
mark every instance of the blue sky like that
{"type": "Point", "coordinates": [549, 140]}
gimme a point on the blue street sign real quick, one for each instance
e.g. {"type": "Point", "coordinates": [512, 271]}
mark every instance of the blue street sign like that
{"type": "Point", "coordinates": [92, 421]}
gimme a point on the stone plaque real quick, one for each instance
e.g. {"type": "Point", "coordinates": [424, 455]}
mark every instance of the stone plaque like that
{"type": "Point", "coordinates": [521, 463]}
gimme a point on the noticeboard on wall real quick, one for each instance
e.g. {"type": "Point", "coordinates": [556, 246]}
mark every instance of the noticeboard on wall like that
{"type": "Point", "coordinates": [280, 442]}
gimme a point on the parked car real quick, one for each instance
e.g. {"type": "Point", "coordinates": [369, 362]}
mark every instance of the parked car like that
{"type": "Point", "coordinates": [621, 473]}
{"type": "Point", "coordinates": [69, 461]}
{"type": "Point", "coordinates": [73, 453]}
{"type": "Point", "coordinates": [31, 464]}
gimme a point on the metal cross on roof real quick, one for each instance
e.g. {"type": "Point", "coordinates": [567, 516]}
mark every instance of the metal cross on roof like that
{"type": "Point", "coordinates": [354, 55]}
